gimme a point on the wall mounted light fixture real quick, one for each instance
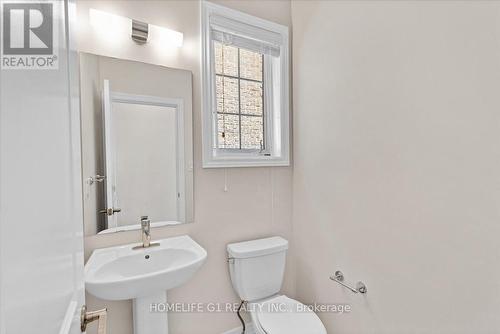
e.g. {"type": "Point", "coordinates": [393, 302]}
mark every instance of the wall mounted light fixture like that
{"type": "Point", "coordinates": [141, 32]}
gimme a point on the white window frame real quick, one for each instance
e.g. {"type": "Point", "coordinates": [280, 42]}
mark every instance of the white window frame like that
{"type": "Point", "coordinates": [276, 109]}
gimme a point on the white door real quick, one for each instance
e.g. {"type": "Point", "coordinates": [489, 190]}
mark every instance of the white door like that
{"type": "Point", "coordinates": [111, 199]}
{"type": "Point", "coordinates": [41, 224]}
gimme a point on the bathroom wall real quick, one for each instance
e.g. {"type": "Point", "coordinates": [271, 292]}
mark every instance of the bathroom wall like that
{"type": "Point", "coordinates": [396, 146]}
{"type": "Point", "coordinates": [258, 201]}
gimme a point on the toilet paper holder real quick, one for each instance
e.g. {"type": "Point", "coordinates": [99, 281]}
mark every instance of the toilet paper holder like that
{"type": "Point", "coordinates": [339, 278]}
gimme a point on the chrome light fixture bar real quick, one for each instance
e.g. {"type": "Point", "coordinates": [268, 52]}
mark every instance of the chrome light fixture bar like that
{"type": "Point", "coordinates": [116, 28]}
{"type": "Point", "coordinates": [140, 31]}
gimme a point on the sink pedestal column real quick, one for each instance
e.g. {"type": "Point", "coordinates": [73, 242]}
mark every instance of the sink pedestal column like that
{"type": "Point", "coordinates": [150, 314]}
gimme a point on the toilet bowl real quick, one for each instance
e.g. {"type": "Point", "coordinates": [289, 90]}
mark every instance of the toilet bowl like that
{"type": "Point", "coordinates": [257, 268]}
{"type": "Point", "coordinates": [284, 315]}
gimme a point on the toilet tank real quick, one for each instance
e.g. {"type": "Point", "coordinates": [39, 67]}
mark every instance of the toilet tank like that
{"type": "Point", "coordinates": [257, 267]}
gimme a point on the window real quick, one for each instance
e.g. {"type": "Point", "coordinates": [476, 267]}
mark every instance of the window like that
{"type": "Point", "coordinates": [246, 91]}
{"type": "Point", "coordinates": [240, 98]}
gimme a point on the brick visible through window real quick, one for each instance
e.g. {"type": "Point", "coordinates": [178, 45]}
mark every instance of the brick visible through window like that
{"type": "Point", "coordinates": [240, 98]}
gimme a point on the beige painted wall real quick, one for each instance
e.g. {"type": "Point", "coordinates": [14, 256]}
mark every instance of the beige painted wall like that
{"type": "Point", "coordinates": [396, 136]}
{"type": "Point", "coordinates": [258, 200]}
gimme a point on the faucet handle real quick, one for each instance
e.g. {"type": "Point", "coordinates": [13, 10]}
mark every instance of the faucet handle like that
{"type": "Point", "coordinates": [145, 222]}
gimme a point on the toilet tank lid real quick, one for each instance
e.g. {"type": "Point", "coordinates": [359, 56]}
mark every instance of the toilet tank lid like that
{"type": "Point", "coordinates": [259, 247]}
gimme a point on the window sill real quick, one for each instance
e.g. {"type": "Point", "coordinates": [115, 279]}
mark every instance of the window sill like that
{"type": "Point", "coordinates": [229, 162]}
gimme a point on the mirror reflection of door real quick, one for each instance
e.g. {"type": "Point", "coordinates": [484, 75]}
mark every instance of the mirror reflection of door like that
{"type": "Point", "coordinates": [142, 145]}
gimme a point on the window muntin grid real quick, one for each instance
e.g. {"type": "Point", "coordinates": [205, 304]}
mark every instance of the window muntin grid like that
{"type": "Point", "coordinates": [240, 119]}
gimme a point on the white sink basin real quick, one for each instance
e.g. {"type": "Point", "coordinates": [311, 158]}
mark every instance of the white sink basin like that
{"type": "Point", "coordinates": [121, 272]}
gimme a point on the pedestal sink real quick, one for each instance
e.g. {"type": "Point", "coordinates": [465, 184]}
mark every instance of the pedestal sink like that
{"type": "Point", "coordinates": [144, 275]}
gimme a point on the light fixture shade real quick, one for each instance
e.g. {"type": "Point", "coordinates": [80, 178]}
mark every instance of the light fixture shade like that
{"type": "Point", "coordinates": [108, 23]}
{"type": "Point", "coordinates": [165, 37]}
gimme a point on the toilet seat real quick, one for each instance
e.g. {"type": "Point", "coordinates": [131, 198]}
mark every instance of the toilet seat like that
{"type": "Point", "coordinates": [283, 315]}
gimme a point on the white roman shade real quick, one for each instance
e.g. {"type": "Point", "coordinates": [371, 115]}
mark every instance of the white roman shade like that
{"type": "Point", "coordinates": [242, 35]}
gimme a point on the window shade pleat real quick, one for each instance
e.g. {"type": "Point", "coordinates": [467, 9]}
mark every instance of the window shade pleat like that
{"type": "Point", "coordinates": [245, 36]}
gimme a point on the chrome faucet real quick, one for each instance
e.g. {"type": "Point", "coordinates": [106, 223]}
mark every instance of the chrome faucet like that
{"type": "Point", "coordinates": [146, 234]}
{"type": "Point", "coordinates": [146, 231]}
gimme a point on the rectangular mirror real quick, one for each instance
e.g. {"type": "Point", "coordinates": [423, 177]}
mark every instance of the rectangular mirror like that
{"type": "Point", "coordinates": [136, 144]}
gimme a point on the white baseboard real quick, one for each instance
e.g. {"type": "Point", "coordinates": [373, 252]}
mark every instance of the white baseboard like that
{"type": "Point", "coordinates": [249, 330]}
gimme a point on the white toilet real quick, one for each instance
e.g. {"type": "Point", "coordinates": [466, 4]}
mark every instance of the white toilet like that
{"type": "Point", "coordinates": [256, 268]}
